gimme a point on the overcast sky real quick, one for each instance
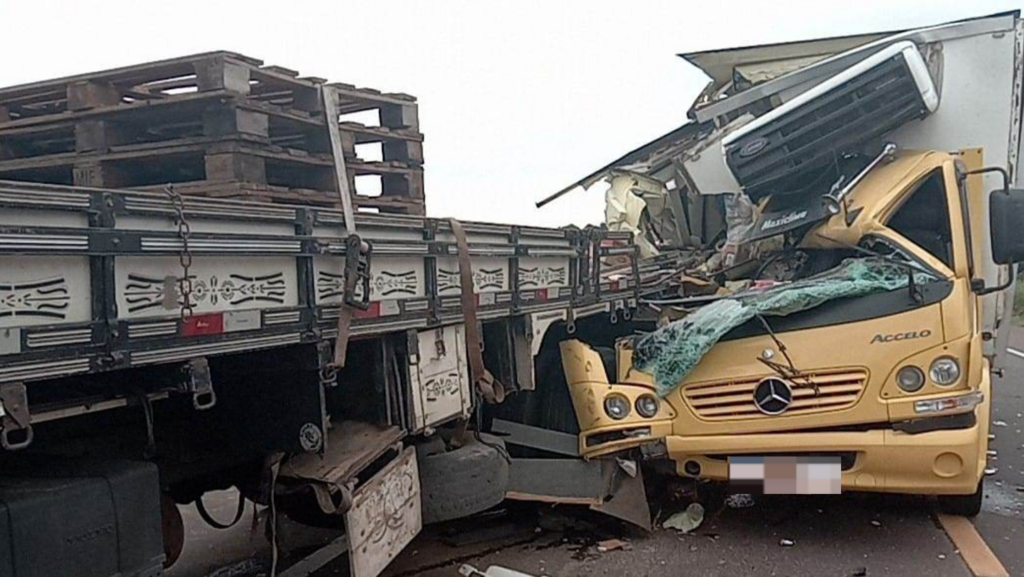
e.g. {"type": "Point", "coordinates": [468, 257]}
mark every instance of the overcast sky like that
{"type": "Point", "coordinates": [517, 99]}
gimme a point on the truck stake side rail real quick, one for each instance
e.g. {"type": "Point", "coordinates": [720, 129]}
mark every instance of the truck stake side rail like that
{"type": "Point", "coordinates": [91, 279]}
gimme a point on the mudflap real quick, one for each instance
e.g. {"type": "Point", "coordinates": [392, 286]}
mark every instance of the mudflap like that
{"type": "Point", "coordinates": [381, 518]}
{"type": "Point", "coordinates": [385, 516]}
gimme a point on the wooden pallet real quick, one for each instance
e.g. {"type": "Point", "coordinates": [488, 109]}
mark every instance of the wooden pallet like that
{"type": "Point", "coordinates": [283, 195]}
{"type": "Point", "coordinates": [212, 118]}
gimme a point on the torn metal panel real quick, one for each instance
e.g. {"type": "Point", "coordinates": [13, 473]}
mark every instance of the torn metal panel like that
{"type": "Point", "coordinates": [650, 157]}
{"type": "Point", "coordinates": [721, 65]}
{"type": "Point", "coordinates": [756, 73]}
{"type": "Point", "coordinates": [639, 205]}
{"type": "Point", "coordinates": [704, 162]}
{"type": "Point", "coordinates": [714, 106]}
{"type": "Point", "coordinates": [537, 438]}
{"type": "Point", "coordinates": [569, 481]}
{"type": "Point", "coordinates": [629, 502]}
{"type": "Point", "coordinates": [603, 484]}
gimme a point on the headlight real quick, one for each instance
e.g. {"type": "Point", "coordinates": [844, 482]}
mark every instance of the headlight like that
{"type": "Point", "coordinates": [910, 379]}
{"type": "Point", "coordinates": [616, 407]}
{"type": "Point", "coordinates": [646, 406]}
{"type": "Point", "coordinates": [944, 371]}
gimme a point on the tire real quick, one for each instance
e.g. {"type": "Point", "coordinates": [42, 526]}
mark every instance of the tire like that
{"type": "Point", "coordinates": [463, 481]}
{"type": "Point", "coordinates": [963, 505]}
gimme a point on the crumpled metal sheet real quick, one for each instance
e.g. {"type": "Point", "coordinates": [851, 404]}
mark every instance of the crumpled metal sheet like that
{"type": "Point", "coordinates": [639, 204]}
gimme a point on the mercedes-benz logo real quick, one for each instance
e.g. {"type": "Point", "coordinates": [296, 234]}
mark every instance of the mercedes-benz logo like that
{"type": "Point", "coordinates": [773, 396]}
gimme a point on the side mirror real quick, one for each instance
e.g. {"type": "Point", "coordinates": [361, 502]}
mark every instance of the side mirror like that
{"type": "Point", "coordinates": [1006, 223]}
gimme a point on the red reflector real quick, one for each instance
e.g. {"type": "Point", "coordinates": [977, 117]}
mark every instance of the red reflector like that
{"type": "Point", "coordinates": [211, 324]}
{"type": "Point", "coordinates": [542, 295]}
{"type": "Point", "coordinates": [372, 312]}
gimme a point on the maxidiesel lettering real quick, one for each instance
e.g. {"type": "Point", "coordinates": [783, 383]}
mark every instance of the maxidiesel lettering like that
{"type": "Point", "coordinates": [901, 336]}
{"type": "Point", "coordinates": [783, 220]}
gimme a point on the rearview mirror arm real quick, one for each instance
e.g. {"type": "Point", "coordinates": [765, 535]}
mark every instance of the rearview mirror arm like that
{"type": "Point", "coordinates": [978, 284]}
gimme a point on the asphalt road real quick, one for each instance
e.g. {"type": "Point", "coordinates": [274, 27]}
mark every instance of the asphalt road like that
{"type": "Point", "coordinates": [847, 535]}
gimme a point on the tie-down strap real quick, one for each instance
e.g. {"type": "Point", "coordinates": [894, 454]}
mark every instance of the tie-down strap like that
{"type": "Point", "coordinates": [490, 389]}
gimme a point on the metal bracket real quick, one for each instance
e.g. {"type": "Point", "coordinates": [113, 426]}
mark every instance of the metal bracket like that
{"type": "Point", "coordinates": [15, 417]}
{"type": "Point", "coordinates": [199, 382]}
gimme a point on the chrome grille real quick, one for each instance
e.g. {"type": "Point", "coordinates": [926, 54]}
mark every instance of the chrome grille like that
{"type": "Point", "coordinates": [735, 399]}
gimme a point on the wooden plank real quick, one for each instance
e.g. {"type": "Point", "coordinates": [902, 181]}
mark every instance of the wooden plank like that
{"type": "Point", "coordinates": [340, 170]}
{"type": "Point", "coordinates": [133, 72]}
{"type": "Point", "coordinates": [351, 446]}
{"type": "Point", "coordinates": [121, 110]}
{"type": "Point", "coordinates": [973, 550]}
{"type": "Point", "coordinates": [90, 94]}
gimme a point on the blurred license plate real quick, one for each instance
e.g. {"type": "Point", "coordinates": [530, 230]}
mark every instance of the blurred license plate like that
{"type": "Point", "coordinates": [785, 475]}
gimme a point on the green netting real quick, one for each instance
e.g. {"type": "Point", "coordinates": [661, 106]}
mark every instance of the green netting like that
{"type": "Point", "coordinates": [671, 352]}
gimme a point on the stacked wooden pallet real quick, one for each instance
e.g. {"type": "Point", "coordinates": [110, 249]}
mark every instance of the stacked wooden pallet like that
{"type": "Point", "coordinates": [216, 124]}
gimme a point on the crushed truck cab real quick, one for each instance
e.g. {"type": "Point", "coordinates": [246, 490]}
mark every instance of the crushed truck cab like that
{"type": "Point", "coordinates": [852, 393]}
{"type": "Point", "coordinates": [826, 268]}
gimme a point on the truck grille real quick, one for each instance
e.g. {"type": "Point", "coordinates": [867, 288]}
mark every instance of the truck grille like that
{"type": "Point", "coordinates": [735, 399]}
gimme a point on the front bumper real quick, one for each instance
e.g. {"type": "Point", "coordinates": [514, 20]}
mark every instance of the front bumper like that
{"type": "Point", "coordinates": [935, 463]}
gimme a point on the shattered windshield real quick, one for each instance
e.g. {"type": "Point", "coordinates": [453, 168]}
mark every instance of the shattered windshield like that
{"type": "Point", "coordinates": [671, 352]}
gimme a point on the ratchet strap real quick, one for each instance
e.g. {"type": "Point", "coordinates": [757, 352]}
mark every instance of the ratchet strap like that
{"type": "Point", "coordinates": [490, 389]}
{"type": "Point", "coordinates": [357, 276]}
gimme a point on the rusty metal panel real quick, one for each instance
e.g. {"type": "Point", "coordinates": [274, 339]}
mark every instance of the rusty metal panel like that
{"type": "Point", "coordinates": [385, 516]}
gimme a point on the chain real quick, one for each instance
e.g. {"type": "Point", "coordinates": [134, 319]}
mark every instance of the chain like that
{"type": "Point", "coordinates": [329, 375]}
{"type": "Point", "coordinates": [185, 256]}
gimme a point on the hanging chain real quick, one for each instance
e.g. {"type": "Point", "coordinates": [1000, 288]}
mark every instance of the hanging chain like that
{"type": "Point", "coordinates": [185, 256]}
{"type": "Point", "coordinates": [329, 375]}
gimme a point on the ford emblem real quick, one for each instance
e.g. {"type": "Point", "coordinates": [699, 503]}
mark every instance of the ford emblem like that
{"type": "Point", "coordinates": [753, 147]}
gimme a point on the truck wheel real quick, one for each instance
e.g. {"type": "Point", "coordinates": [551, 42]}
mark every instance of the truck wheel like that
{"type": "Point", "coordinates": [963, 505]}
{"type": "Point", "coordinates": [463, 481]}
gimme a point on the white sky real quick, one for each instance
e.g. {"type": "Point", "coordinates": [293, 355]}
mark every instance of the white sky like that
{"type": "Point", "coordinates": [517, 99]}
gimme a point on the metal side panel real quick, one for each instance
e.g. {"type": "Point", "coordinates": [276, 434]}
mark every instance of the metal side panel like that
{"type": "Point", "coordinates": [968, 63]}
{"type": "Point", "coordinates": [44, 290]}
{"type": "Point", "coordinates": [439, 376]}
{"type": "Point", "coordinates": [147, 286]}
{"type": "Point", "coordinates": [490, 275]}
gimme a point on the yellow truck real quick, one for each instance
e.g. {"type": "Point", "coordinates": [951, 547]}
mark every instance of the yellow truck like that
{"type": "Point", "coordinates": [853, 318]}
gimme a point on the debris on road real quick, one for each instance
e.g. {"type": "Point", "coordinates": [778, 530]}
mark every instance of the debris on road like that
{"type": "Point", "coordinates": [739, 501]}
{"type": "Point", "coordinates": [999, 423]}
{"type": "Point", "coordinates": [787, 543]}
{"type": "Point", "coordinates": [876, 523]}
{"type": "Point", "coordinates": [468, 570]}
{"type": "Point", "coordinates": [687, 520]}
{"type": "Point", "coordinates": [611, 545]}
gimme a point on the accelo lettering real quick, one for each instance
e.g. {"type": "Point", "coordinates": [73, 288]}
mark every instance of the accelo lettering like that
{"type": "Point", "coordinates": [901, 336]}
